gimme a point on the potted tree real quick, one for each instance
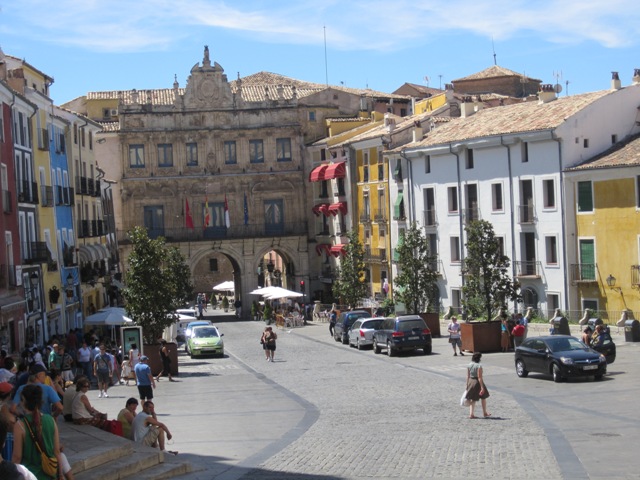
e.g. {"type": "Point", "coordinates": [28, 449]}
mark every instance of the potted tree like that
{"type": "Point", "coordinates": [417, 278]}
{"type": "Point", "coordinates": [487, 288]}
{"type": "Point", "coordinates": [225, 304]}
{"type": "Point", "coordinates": [268, 312]}
{"type": "Point", "coordinates": [349, 285]}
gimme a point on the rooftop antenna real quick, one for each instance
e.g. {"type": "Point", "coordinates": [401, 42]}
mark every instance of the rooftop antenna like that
{"type": "Point", "coordinates": [440, 85]}
{"type": "Point", "coordinates": [524, 80]}
{"type": "Point", "coordinates": [557, 87]}
{"type": "Point", "coordinates": [326, 66]}
{"type": "Point", "coordinates": [426, 80]}
{"type": "Point", "coordinates": [566, 83]}
{"type": "Point", "coordinates": [495, 61]}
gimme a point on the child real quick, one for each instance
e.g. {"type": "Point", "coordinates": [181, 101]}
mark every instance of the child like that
{"type": "Point", "coordinates": [126, 370]}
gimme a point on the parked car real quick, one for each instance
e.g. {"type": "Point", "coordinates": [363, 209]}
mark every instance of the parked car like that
{"type": "Point", "coordinates": [561, 356]}
{"type": "Point", "coordinates": [188, 330]}
{"type": "Point", "coordinates": [344, 323]}
{"type": "Point", "coordinates": [407, 332]}
{"type": "Point", "coordinates": [205, 340]}
{"type": "Point", "coordinates": [607, 348]}
{"type": "Point", "coordinates": [361, 332]}
{"type": "Point", "coordinates": [182, 321]}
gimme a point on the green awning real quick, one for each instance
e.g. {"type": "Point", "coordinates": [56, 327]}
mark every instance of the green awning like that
{"type": "Point", "coordinates": [398, 206]}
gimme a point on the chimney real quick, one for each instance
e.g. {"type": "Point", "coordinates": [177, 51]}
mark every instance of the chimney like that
{"type": "Point", "coordinates": [417, 131]}
{"type": "Point", "coordinates": [636, 76]}
{"type": "Point", "coordinates": [546, 94]}
{"type": "Point", "coordinates": [448, 91]}
{"type": "Point", "coordinates": [468, 107]}
{"type": "Point", "coordinates": [615, 81]}
{"type": "Point", "coordinates": [389, 122]}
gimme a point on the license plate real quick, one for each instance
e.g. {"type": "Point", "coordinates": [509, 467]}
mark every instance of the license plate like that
{"type": "Point", "coordinates": [590, 367]}
{"type": "Point", "coordinates": [413, 338]}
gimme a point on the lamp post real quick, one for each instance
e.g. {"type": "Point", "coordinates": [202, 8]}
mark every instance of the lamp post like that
{"type": "Point", "coordinates": [611, 283]}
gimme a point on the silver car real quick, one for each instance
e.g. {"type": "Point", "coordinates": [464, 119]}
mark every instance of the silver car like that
{"type": "Point", "coordinates": [361, 332]}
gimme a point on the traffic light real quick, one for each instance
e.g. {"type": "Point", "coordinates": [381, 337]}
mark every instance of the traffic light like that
{"type": "Point", "coordinates": [302, 286]}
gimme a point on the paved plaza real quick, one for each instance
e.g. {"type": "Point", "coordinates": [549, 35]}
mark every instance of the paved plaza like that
{"type": "Point", "coordinates": [323, 410]}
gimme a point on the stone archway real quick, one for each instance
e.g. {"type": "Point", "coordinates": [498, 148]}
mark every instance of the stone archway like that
{"type": "Point", "coordinates": [211, 267]}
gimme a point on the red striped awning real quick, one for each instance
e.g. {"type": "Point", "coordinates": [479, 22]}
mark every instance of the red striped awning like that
{"type": "Point", "coordinates": [323, 247]}
{"type": "Point", "coordinates": [335, 170]}
{"type": "Point", "coordinates": [338, 249]}
{"type": "Point", "coordinates": [317, 174]}
{"type": "Point", "coordinates": [341, 207]}
{"type": "Point", "coordinates": [321, 208]}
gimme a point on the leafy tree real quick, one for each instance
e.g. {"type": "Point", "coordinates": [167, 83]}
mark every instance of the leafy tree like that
{"type": "Point", "coordinates": [417, 277]}
{"type": "Point", "coordinates": [158, 283]}
{"type": "Point", "coordinates": [488, 285]}
{"type": "Point", "coordinates": [350, 284]}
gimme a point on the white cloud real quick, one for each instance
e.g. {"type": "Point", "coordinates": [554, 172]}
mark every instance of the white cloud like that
{"type": "Point", "coordinates": [141, 25]}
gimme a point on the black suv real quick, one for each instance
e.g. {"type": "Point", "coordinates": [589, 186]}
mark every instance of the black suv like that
{"type": "Point", "coordinates": [407, 332]}
{"type": "Point", "coordinates": [344, 323]}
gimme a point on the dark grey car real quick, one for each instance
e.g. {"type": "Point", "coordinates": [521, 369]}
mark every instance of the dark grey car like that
{"type": "Point", "coordinates": [407, 332]}
{"type": "Point", "coordinates": [344, 323]}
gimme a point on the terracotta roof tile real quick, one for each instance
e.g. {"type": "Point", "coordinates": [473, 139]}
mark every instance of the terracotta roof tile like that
{"type": "Point", "coordinates": [623, 154]}
{"type": "Point", "coordinates": [493, 71]}
{"type": "Point", "coordinates": [520, 117]}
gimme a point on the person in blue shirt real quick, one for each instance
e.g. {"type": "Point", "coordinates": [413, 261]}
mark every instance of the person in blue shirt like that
{"type": "Point", "coordinates": [51, 403]}
{"type": "Point", "coordinates": [144, 379]}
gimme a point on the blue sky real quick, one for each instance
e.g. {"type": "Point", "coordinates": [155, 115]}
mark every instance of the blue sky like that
{"type": "Point", "coordinates": [95, 45]}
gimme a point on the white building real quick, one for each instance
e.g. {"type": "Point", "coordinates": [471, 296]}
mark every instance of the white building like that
{"type": "Point", "coordinates": [505, 165]}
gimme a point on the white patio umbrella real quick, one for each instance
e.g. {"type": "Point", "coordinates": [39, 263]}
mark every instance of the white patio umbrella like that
{"type": "Point", "coordinates": [109, 317]}
{"type": "Point", "coordinates": [227, 286]}
{"type": "Point", "coordinates": [280, 292]}
{"type": "Point", "coordinates": [263, 291]}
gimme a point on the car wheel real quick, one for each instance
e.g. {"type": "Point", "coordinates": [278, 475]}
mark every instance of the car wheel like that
{"type": "Point", "coordinates": [599, 377]}
{"type": "Point", "coordinates": [390, 351]}
{"type": "Point", "coordinates": [345, 340]}
{"type": "Point", "coordinates": [376, 347]}
{"type": "Point", "coordinates": [358, 346]}
{"type": "Point", "coordinates": [520, 370]}
{"type": "Point", "coordinates": [427, 350]}
{"type": "Point", "coordinates": [556, 373]}
{"type": "Point", "coordinates": [336, 337]}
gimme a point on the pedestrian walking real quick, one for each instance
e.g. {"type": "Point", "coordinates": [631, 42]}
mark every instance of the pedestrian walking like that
{"type": "Point", "coordinates": [476, 388]}
{"type": "Point", "coordinates": [166, 361]}
{"type": "Point", "coordinates": [102, 370]}
{"type": "Point", "coordinates": [144, 379]}
{"type": "Point", "coordinates": [333, 318]}
{"type": "Point", "coordinates": [454, 336]}
{"type": "Point", "coordinates": [269, 338]}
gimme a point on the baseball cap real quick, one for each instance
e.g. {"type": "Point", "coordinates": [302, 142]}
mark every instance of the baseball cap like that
{"type": "Point", "coordinates": [5, 387]}
{"type": "Point", "coordinates": [144, 358]}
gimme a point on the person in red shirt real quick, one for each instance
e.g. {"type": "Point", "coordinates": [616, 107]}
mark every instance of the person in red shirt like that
{"type": "Point", "coordinates": [518, 334]}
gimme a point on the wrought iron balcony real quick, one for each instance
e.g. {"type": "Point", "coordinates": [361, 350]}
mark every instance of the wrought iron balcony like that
{"type": "Point", "coordinates": [471, 215]}
{"type": "Point", "coordinates": [584, 272]}
{"type": "Point", "coordinates": [35, 252]}
{"type": "Point", "coordinates": [528, 269]}
{"type": "Point", "coordinates": [526, 214]}
{"type": "Point", "coordinates": [28, 192]}
{"type": "Point", "coordinates": [46, 193]}
{"type": "Point", "coordinates": [635, 276]}
{"type": "Point", "coordinates": [429, 217]}
{"type": "Point", "coordinates": [365, 218]}
{"type": "Point", "coordinates": [380, 216]}
{"type": "Point", "coordinates": [84, 229]}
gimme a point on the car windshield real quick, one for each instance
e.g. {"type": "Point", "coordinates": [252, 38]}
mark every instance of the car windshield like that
{"type": "Point", "coordinates": [565, 344]}
{"type": "Point", "coordinates": [205, 332]}
{"type": "Point", "coordinates": [373, 324]}
{"type": "Point", "coordinates": [409, 325]}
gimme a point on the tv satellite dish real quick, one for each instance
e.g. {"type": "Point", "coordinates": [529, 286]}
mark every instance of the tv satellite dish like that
{"type": "Point", "coordinates": [557, 88]}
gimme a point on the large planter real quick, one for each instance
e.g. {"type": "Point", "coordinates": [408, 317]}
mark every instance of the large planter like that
{"type": "Point", "coordinates": [481, 336]}
{"type": "Point", "coordinates": [433, 322]}
{"type": "Point", "coordinates": [155, 361]}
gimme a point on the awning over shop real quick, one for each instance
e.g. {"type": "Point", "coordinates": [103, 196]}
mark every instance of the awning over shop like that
{"type": "Point", "coordinates": [317, 174]}
{"type": "Point", "coordinates": [336, 170]}
{"type": "Point", "coordinates": [398, 206]}
{"type": "Point", "coordinates": [341, 207]}
{"type": "Point", "coordinates": [338, 249]}
{"type": "Point", "coordinates": [321, 208]}
{"type": "Point", "coordinates": [92, 253]}
{"type": "Point", "coordinates": [323, 247]}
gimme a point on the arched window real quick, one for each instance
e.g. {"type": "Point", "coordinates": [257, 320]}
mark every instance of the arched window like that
{"type": "Point", "coordinates": [530, 298]}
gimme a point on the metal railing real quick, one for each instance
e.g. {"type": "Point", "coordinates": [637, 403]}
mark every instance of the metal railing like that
{"type": "Point", "coordinates": [46, 192]}
{"type": "Point", "coordinates": [471, 215]}
{"type": "Point", "coordinates": [380, 216]}
{"type": "Point", "coordinates": [35, 252]}
{"type": "Point", "coordinates": [28, 192]}
{"type": "Point", "coordinates": [365, 218]}
{"type": "Point", "coordinates": [526, 214]}
{"type": "Point", "coordinates": [531, 268]}
{"type": "Point", "coordinates": [429, 217]}
{"type": "Point", "coordinates": [584, 272]}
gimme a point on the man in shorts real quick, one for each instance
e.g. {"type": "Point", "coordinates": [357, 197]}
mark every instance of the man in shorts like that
{"type": "Point", "coordinates": [102, 370]}
{"type": "Point", "coordinates": [144, 379]}
{"type": "Point", "coordinates": [147, 430]}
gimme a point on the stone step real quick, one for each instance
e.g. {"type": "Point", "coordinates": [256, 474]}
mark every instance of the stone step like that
{"type": "Point", "coordinates": [130, 465]}
{"type": "Point", "coordinates": [172, 467]}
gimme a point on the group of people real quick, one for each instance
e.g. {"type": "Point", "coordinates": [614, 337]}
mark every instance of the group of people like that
{"type": "Point", "coordinates": [594, 338]}
{"type": "Point", "coordinates": [513, 331]}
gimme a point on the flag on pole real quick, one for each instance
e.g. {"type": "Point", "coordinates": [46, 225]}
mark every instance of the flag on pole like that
{"type": "Point", "coordinates": [187, 215]}
{"type": "Point", "coordinates": [207, 215]}
{"type": "Point", "coordinates": [246, 211]}
{"type": "Point", "coordinates": [227, 220]}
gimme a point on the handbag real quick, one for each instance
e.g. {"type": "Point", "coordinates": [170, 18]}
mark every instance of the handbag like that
{"type": "Point", "coordinates": [464, 402]}
{"type": "Point", "coordinates": [49, 464]}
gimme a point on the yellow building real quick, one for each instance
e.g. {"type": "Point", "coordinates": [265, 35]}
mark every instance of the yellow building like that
{"type": "Point", "coordinates": [603, 207]}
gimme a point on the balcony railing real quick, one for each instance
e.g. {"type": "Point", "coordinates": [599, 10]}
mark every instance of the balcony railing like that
{"type": "Point", "coordinates": [471, 215]}
{"type": "Point", "coordinates": [435, 264]}
{"type": "Point", "coordinates": [365, 218]}
{"type": "Point", "coordinates": [97, 192]}
{"type": "Point", "coordinates": [525, 214]}
{"type": "Point", "coordinates": [528, 269]}
{"type": "Point", "coordinates": [82, 185]}
{"type": "Point", "coordinates": [259, 230]}
{"type": "Point", "coordinates": [380, 216]}
{"type": "Point", "coordinates": [35, 252]}
{"type": "Point", "coordinates": [7, 206]}
{"type": "Point", "coordinates": [28, 192]}
{"type": "Point", "coordinates": [91, 188]}
{"type": "Point", "coordinates": [429, 217]}
{"type": "Point", "coordinates": [97, 228]}
{"type": "Point", "coordinates": [375, 255]}
{"type": "Point", "coordinates": [635, 275]}
{"type": "Point", "coordinates": [584, 272]}
{"type": "Point", "coordinates": [46, 192]}
{"type": "Point", "coordinates": [84, 229]}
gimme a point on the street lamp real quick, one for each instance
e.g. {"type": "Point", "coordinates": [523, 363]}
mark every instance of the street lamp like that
{"type": "Point", "coordinates": [611, 283]}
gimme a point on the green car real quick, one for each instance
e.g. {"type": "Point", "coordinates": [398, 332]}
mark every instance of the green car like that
{"type": "Point", "coordinates": [205, 340]}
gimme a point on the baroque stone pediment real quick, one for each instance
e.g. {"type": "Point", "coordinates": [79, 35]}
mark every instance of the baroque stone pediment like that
{"type": "Point", "coordinates": [207, 86]}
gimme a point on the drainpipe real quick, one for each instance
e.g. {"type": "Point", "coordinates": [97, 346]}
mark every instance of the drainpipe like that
{"type": "Point", "coordinates": [563, 236]}
{"type": "Point", "coordinates": [511, 215]}
{"type": "Point", "coordinates": [460, 221]}
{"type": "Point", "coordinates": [412, 204]}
